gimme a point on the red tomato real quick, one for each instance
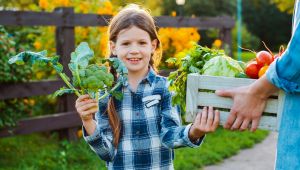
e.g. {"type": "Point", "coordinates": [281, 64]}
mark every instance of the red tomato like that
{"type": "Point", "coordinates": [252, 70]}
{"type": "Point", "coordinates": [263, 58]}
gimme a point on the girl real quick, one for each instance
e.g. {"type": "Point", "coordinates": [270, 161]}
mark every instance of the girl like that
{"type": "Point", "coordinates": [141, 131]}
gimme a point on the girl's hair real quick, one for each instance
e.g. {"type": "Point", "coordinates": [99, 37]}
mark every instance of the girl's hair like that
{"type": "Point", "coordinates": [131, 15]}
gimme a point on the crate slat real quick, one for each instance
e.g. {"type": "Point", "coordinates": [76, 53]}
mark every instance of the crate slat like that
{"type": "Point", "coordinates": [211, 99]}
{"type": "Point", "coordinates": [266, 122]}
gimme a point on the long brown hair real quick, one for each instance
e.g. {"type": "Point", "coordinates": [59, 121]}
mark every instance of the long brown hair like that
{"type": "Point", "coordinates": [131, 15]}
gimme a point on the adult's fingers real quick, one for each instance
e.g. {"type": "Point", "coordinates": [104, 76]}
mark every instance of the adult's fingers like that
{"type": "Point", "coordinates": [245, 124]}
{"type": "Point", "coordinates": [254, 124]}
{"type": "Point", "coordinates": [231, 118]}
{"type": "Point", "coordinates": [237, 123]}
{"type": "Point", "coordinates": [216, 119]}
{"type": "Point", "coordinates": [224, 93]}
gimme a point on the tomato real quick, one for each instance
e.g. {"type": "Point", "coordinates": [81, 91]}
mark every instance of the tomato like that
{"type": "Point", "coordinates": [263, 58]}
{"type": "Point", "coordinates": [262, 71]}
{"type": "Point", "coordinates": [252, 70]}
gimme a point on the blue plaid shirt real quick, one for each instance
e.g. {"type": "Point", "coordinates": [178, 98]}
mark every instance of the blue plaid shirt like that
{"type": "Point", "coordinates": [151, 128]}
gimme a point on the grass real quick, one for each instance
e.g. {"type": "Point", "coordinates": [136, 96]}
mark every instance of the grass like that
{"type": "Point", "coordinates": [37, 151]}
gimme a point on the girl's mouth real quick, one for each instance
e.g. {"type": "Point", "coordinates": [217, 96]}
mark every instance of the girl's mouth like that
{"type": "Point", "coordinates": [134, 60]}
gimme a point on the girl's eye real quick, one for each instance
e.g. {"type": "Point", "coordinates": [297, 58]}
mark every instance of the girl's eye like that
{"type": "Point", "coordinates": [125, 43]}
{"type": "Point", "coordinates": [143, 42]}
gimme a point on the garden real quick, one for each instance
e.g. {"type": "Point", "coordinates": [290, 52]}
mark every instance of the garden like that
{"type": "Point", "coordinates": [39, 128]}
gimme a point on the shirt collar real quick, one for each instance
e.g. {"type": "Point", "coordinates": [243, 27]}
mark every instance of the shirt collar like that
{"type": "Point", "coordinates": [150, 77]}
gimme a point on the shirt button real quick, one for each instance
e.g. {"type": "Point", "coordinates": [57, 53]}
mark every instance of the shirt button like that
{"type": "Point", "coordinates": [137, 113]}
{"type": "Point", "coordinates": [137, 132]}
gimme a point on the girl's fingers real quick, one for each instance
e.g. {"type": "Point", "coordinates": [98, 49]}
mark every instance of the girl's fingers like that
{"type": "Point", "coordinates": [204, 116]}
{"type": "Point", "coordinates": [87, 107]}
{"type": "Point", "coordinates": [216, 119]}
{"type": "Point", "coordinates": [90, 111]}
{"type": "Point", "coordinates": [198, 118]}
{"type": "Point", "coordinates": [81, 98]}
{"type": "Point", "coordinates": [210, 117]}
{"type": "Point", "coordinates": [88, 114]}
{"type": "Point", "coordinates": [82, 103]}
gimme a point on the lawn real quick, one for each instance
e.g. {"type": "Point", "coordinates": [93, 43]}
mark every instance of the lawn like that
{"type": "Point", "coordinates": [47, 152]}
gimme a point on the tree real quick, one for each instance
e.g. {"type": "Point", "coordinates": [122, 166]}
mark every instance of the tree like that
{"type": "Point", "coordinates": [201, 7]}
{"type": "Point", "coordinates": [264, 20]}
{"type": "Point", "coordinates": [284, 5]}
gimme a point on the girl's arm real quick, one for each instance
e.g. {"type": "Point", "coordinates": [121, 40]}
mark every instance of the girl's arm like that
{"type": "Point", "coordinates": [98, 134]}
{"type": "Point", "coordinates": [173, 134]}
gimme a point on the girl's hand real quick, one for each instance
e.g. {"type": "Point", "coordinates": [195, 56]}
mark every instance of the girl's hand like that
{"type": "Point", "coordinates": [205, 122]}
{"type": "Point", "coordinates": [86, 107]}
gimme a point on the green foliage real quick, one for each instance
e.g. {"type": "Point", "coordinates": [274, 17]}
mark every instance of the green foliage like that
{"type": "Point", "coordinates": [284, 5]}
{"type": "Point", "coordinates": [48, 152]}
{"type": "Point", "coordinates": [201, 7]}
{"type": "Point", "coordinates": [87, 78]}
{"type": "Point", "coordinates": [11, 109]}
{"type": "Point", "coordinates": [249, 40]}
{"type": "Point", "coordinates": [264, 20]}
{"type": "Point", "coordinates": [193, 62]}
{"type": "Point", "coordinates": [216, 147]}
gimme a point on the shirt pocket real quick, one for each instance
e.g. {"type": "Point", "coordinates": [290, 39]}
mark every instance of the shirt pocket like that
{"type": "Point", "coordinates": [151, 106]}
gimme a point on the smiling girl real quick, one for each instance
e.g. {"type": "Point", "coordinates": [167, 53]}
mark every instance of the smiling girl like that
{"type": "Point", "coordinates": [141, 130]}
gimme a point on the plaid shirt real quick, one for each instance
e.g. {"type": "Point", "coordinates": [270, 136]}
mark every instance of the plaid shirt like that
{"type": "Point", "coordinates": [151, 128]}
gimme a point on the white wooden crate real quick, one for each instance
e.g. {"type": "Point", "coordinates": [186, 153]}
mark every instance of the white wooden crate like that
{"type": "Point", "coordinates": [197, 97]}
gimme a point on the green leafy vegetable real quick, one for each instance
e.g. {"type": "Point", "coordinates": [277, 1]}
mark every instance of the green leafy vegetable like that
{"type": "Point", "coordinates": [200, 60]}
{"type": "Point", "coordinates": [192, 62]}
{"type": "Point", "coordinates": [222, 66]}
{"type": "Point", "coordinates": [87, 78]}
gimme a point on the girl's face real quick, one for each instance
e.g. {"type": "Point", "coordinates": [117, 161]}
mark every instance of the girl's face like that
{"type": "Point", "coordinates": [134, 47]}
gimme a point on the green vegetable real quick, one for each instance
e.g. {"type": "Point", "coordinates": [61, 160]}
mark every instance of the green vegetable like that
{"type": "Point", "coordinates": [87, 78]}
{"type": "Point", "coordinates": [222, 66]}
{"type": "Point", "coordinates": [193, 62]}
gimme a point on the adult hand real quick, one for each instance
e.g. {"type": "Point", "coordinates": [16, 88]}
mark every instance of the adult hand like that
{"type": "Point", "coordinates": [248, 104]}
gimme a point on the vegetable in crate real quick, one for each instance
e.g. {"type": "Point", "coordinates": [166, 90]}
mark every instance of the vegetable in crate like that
{"type": "Point", "coordinates": [87, 78]}
{"type": "Point", "coordinates": [222, 66]}
{"type": "Point", "coordinates": [193, 62]}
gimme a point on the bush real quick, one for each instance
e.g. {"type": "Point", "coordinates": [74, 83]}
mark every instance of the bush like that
{"type": "Point", "coordinates": [249, 40]}
{"type": "Point", "coordinates": [14, 109]}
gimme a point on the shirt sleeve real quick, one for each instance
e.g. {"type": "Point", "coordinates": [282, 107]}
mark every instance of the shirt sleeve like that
{"type": "Point", "coordinates": [101, 141]}
{"type": "Point", "coordinates": [173, 134]}
{"type": "Point", "coordinates": [285, 71]}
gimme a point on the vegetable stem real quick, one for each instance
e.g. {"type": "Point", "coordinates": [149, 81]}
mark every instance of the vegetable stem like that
{"type": "Point", "coordinates": [69, 84]}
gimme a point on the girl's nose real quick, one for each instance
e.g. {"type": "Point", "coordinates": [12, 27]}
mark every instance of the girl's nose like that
{"type": "Point", "coordinates": [134, 50]}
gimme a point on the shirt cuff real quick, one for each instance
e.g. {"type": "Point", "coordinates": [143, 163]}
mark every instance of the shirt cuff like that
{"type": "Point", "coordinates": [92, 137]}
{"type": "Point", "coordinates": [281, 83]}
{"type": "Point", "coordinates": [187, 139]}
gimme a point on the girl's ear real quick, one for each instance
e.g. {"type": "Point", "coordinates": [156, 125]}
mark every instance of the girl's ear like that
{"type": "Point", "coordinates": [154, 45]}
{"type": "Point", "coordinates": [112, 47]}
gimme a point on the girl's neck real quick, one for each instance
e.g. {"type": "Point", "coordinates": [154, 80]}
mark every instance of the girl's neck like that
{"type": "Point", "coordinates": [134, 78]}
